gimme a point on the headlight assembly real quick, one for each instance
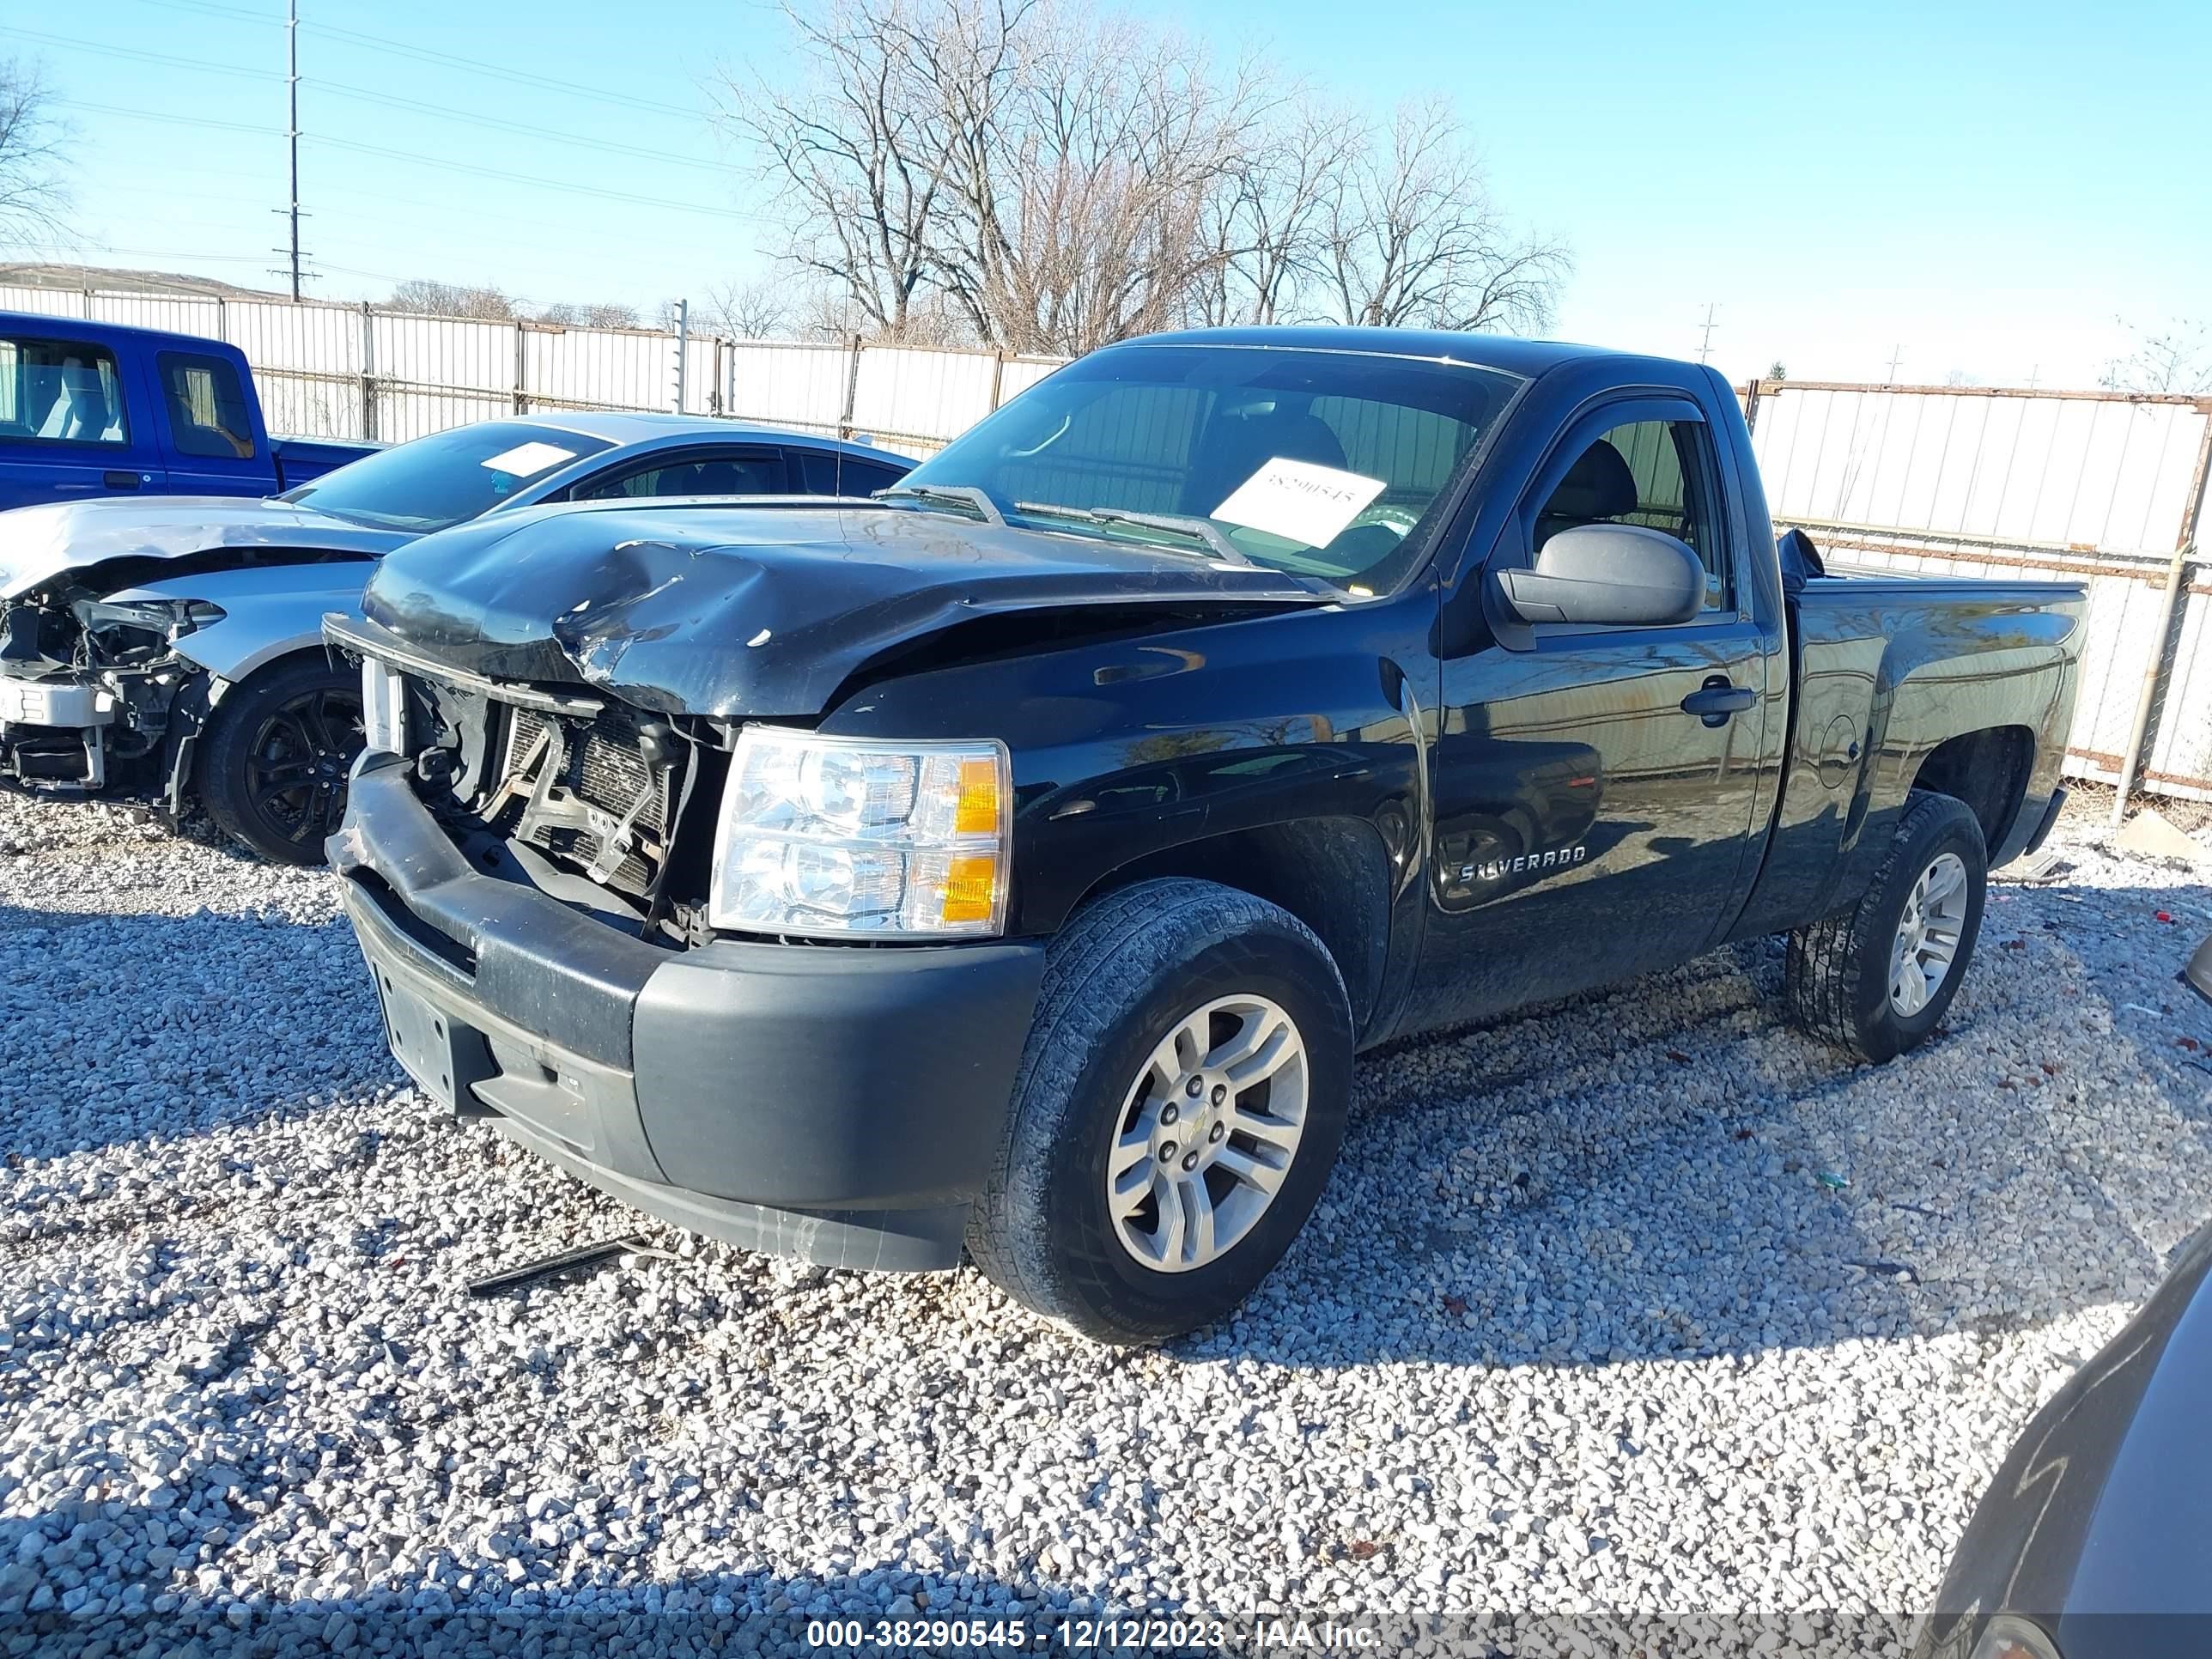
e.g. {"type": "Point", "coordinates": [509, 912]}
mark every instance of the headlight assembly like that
{"type": "Point", "coordinates": [170, 619]}
{"type": "Point", "coordinates": [835, 838]}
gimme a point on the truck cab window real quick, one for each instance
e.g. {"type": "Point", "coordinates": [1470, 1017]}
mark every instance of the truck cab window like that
{"type": "Point", "coordinates": [60, 392]}
{"type": "Point", "coordinates": [1651, 473]}
{"type": "Point", "coordinates": [207, 407]}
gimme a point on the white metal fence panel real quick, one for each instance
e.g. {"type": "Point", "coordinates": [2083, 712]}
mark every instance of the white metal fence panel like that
{"type": "Point", "coordinates": [1022, 373]}
{"type": "Point", "coordinates": [786, 383]}
{"type": "Point", "coordinates": [2000, 468]}
{"type": "Point", "coordinates": [2099, 487]}
{"type": "Point", "coordinates": [45, 301]}
{"type": "Point", "coordinates": [1964, 480]}
{"type": "Point", "coordinates": [909, 397]}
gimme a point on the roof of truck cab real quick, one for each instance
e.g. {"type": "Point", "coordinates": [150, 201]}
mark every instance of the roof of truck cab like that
{"type": "Point", "coordinates": [39, 325]}
{"type": "Point", "coordinates": [622, 426]}
{"type": "Point", "coordinates": [1501, 351]}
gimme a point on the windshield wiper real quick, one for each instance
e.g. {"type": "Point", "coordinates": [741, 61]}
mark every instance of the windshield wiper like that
{"type": "Point", "coordinates": [1199, 530]}
{"type": "Point", "coordinates": [965, 496]}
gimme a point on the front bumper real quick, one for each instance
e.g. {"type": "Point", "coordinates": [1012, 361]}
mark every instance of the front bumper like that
{"type": "Point", "coordinates": [841, 1103]}
{"type": "Point", "coordinates": [52, 733]}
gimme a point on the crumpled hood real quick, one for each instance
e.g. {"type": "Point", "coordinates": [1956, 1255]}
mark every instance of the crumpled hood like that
{"type": "Point", "coordinates": [753, 610]}
{"type": "Point", "coordinates": [38, 543]}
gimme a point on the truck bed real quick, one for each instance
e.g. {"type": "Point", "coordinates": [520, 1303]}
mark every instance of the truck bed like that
{"type": "Point", "coordinates": [1885, 663]}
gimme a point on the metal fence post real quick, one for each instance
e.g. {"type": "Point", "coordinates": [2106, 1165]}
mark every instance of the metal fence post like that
{"type": "Point", "coordinates": [521, 361]}
{"type": "Point", "coordinates": [2147, 703]}
{"type": "Point", "coordinates": [852, 385]}
{"type": "Point", "coordinates": [367, 374]}
{"type": "Point", "coordinates": [998, 376]}
{"type": "Point", "coordinates": [683, 350]}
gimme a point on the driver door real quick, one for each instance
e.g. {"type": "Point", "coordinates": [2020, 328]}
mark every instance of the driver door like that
{"type": "Point", "coordinates": [1587, 825]}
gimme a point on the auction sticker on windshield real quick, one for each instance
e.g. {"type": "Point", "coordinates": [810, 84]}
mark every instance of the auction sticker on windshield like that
{"type": "Point", "coordinates": [1299, 501]}
{"type": "Point", "coordinates": [524, 459]}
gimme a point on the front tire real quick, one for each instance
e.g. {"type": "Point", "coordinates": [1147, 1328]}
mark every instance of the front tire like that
{"type": "Point", "coordinates": [273, 770]}
{"type": "Point", "coordinates": [1876, 979]}
{"type": "Point", "coordinates": [1179, 1106]}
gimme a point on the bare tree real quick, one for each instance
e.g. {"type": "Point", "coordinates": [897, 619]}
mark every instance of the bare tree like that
{"type": "Point", "coordinates": [1262, 226]}
{"type": "Point", "coordinates": [1034, 175]}
{"type": "Point", "coordinates": [859, 149]}
{"type": "Point", "coordinates": [1411, 236]}
{"type": "Point", "coordinates": [1079, 211]}
{"type": "Point", "coordinates": [31, 141]}
{"type": "Point", "coordinates": [436, 299]}
{"type": "Point", "coordinates": [565, 313]}
{"type": "Point", "coordinates": [756, 310]}
{"type": "Point", "coordinates": [2178, 358]}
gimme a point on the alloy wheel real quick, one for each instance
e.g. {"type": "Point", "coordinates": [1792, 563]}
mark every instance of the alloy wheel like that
{"type": "Point", "coordinates": [1927, 935]}
{"type": "Point", "coordinates": [1207, 1133]}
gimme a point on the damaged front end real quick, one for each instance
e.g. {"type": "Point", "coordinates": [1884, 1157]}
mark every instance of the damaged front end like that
{"type": "Point", "coordinates": [584, 797]}
{"type": "Point", "coordinates": [93, 697]}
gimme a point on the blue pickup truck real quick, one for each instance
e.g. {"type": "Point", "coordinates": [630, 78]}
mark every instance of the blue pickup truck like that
{"type": "Point", "coordinates": [97, 409]}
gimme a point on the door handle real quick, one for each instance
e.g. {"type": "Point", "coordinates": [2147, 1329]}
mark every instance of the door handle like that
{"type": "Point", "coordinates": [1717, 700]}
{"type": "Point", "coordinates": [120, 480]}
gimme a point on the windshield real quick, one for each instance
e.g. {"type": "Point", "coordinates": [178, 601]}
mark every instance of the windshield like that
{"type": "Point", "coordinates": [1320, 463]}
{"type": "Point", "coordinates": [445, 478]}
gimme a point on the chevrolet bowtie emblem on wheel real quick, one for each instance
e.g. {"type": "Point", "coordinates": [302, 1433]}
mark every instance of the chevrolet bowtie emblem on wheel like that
{"type": "Point", "coordinates": [1552, 859]}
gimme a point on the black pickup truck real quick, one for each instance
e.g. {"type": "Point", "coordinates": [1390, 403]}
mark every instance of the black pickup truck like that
{"type": "Point", "coordinates": [1014, 862]}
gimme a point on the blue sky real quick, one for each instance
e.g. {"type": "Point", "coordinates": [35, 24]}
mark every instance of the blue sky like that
{"type": "Point", "coordinates": [1987, 186]}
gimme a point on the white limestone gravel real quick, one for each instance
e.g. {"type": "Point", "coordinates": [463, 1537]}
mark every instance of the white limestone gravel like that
{"type": "Point", "coordinates": [1585, 1326]}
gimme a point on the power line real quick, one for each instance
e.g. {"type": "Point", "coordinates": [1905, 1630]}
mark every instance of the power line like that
{"type": "Point", "coordinates": [523, 77]}
{"type": "Point", "coordinates": [164, 115]}
{"type": "Point", "coordinates": [211, 8]}
{"type": "Point", "coordinates": [541, 183]}
{"type": "Point", "coordinates": [526, 129]}
{"type": "Point", "coordinates": [345, 89]}
{"type": "Point", "coordinates": [165, 58]}
{"type": "Point", "coordinates": [443, 163]}
{"type": "Point", "coordinates": [425, 54]}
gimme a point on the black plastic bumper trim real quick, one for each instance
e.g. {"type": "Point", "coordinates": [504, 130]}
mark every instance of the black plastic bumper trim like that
{"type": "Point", "coordinates": [845, 1081]}
{"type": "Point", "coordinates": [2050, 822]}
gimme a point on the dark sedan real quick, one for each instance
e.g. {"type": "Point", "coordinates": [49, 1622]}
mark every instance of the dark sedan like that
{"type": "Point", "coordinates": [2095, 1539]}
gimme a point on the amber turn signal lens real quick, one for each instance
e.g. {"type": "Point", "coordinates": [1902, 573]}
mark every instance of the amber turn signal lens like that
{"type": "Point", "coordinates": [977, 813]}
{"type": "Point", "coordinates": [970, 887]}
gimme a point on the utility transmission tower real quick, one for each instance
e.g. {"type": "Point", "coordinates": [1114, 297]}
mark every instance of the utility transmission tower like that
{"type": "Point", "coordinates": [1705, 345]}
{"type": "Point", "coordinates": [292, 135]}
{"type": "Point", "coordinates": [1896, 356]}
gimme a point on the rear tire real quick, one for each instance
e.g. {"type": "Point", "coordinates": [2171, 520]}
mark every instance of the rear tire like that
{"type": "Point", "coordinates": [272, 770]}
{"type": "Point", "coordinates": [1875, 980]}
{"type": "Point", "coordinates": [1115, 1171]}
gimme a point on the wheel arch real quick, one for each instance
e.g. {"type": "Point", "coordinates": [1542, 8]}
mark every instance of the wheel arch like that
{"type": "Point", "coordinates": [1332, 874]}
{"type": "Point", "coordinates": [1988, 770]}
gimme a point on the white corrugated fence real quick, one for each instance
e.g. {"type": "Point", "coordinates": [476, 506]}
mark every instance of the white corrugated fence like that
{"type": "Point", "coordinates": [2107, 487]}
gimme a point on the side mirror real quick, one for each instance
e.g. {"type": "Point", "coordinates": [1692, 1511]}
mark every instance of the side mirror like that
{"type": "Point", "coordinates": [1618, 574]}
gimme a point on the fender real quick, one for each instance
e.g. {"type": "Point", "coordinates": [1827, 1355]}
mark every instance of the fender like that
{"type": "Point", "coordinates": [269, 612]}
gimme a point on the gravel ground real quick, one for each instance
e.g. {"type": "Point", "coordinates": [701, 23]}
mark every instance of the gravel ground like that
{"type": "Point", "coordinates": [1640, 1304]}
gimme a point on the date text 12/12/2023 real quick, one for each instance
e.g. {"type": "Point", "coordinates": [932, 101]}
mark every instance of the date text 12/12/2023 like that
{"type": "Point", "coordinates": [1083, 1635]}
